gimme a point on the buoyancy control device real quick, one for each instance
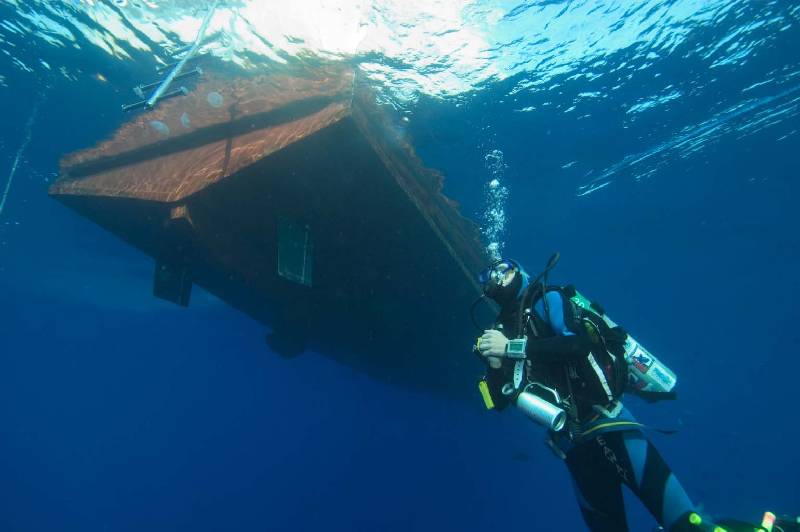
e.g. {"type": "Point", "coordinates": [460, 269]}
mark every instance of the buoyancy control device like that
{"type": "Point", "coordinates": [645, 372]}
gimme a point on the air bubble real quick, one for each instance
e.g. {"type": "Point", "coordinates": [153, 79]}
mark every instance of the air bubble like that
{"type": "Point", "coordinates": [494, 217]}
{"type": "Point", "coordinates": [160, 127]}
{"type": "Point", "coordinates": [215, 99]}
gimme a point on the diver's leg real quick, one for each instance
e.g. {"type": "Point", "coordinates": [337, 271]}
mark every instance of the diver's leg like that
{"type": "Point", "coordinates": [652, 480]}
{"type": "Point", "coordinates": [597, 488]}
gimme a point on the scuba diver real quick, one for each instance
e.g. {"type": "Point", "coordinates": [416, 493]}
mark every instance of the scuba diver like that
{"type": "Point", "coordinates": [558, 357]}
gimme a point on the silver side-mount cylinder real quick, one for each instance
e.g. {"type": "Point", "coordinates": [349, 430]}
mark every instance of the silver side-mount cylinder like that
{"type": "Point", "coordinates": [533, 403]}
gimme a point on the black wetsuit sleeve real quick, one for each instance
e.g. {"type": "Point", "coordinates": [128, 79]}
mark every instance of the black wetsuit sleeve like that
{"type": "Point", "coordinates": [565, 346]}
{"type": "Point", "coordinates": [558, 348]}
{"type": "Point", "coordinates": [495, 379]}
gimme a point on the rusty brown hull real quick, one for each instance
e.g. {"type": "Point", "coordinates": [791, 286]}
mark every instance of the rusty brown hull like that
{"type": "Point", "coordinates": [392, 261]}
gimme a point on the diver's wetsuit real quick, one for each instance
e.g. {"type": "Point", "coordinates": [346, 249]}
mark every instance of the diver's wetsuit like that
{"type": "Point", "coordinates": [603, 454]}
{"type": "Point", "coordinates": [602, 464]}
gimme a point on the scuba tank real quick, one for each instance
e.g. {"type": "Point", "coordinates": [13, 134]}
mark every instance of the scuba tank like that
{"type": "Point", "coordinates": [539, 403]}
{"type": "Point", "coordinates": [645, 372]}
{"type": "Point", "coordinates": [646, 375]}
{"type": "Point", "coordinates": [535, 400]}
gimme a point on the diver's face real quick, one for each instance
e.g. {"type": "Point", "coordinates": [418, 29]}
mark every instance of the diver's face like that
{"type": "Point", "coordinates": [508, 277]}
{"type": "Point", "coordinates": [501, 285]}
{"type": "Point", "coordinates": [502, 282]}
{"type": "Point", "coordinates": [504, 277]}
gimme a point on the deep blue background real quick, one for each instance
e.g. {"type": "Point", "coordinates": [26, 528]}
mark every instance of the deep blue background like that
{"type": "Point", "coordinates": [120, 412]}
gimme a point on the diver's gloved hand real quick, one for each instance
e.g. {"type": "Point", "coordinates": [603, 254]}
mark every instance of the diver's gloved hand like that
{"type": "Point", "coordinates": [615, 340]}
{"type": "Point", "coordinates": [492, 344]}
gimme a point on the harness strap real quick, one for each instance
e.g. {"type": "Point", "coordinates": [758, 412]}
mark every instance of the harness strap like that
{"type": "Point", "coordinates": [519, 372]}
{"type": "Point", "coordinates": [610, 414]}
{"type": "Point", "coordinates": [631, 424]}
{"type": "Point", "coordinates": [601, 376]}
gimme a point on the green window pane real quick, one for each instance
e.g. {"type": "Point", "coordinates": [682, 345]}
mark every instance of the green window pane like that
{"type": "Point", "coordinates": [295, 252]}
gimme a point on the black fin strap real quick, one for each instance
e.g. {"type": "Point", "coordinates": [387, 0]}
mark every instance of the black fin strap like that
{"type": "Point", "coordinates": [656, 396]}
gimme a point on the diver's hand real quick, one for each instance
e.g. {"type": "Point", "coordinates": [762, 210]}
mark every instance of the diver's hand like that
{"type": "Point", "coordinates": [615, 339]}
{"type": "Point", "coordinates": [492, 346]}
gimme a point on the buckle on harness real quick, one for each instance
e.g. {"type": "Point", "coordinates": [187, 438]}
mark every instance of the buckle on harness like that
{"type": "Point", "coordinates": [519, 372]}
{"type": "Point", "coordinates": [611, 414]}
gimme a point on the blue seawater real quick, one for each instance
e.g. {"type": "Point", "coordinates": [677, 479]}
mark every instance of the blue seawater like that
{"type": "Point", "coordinates": [653, 143]}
